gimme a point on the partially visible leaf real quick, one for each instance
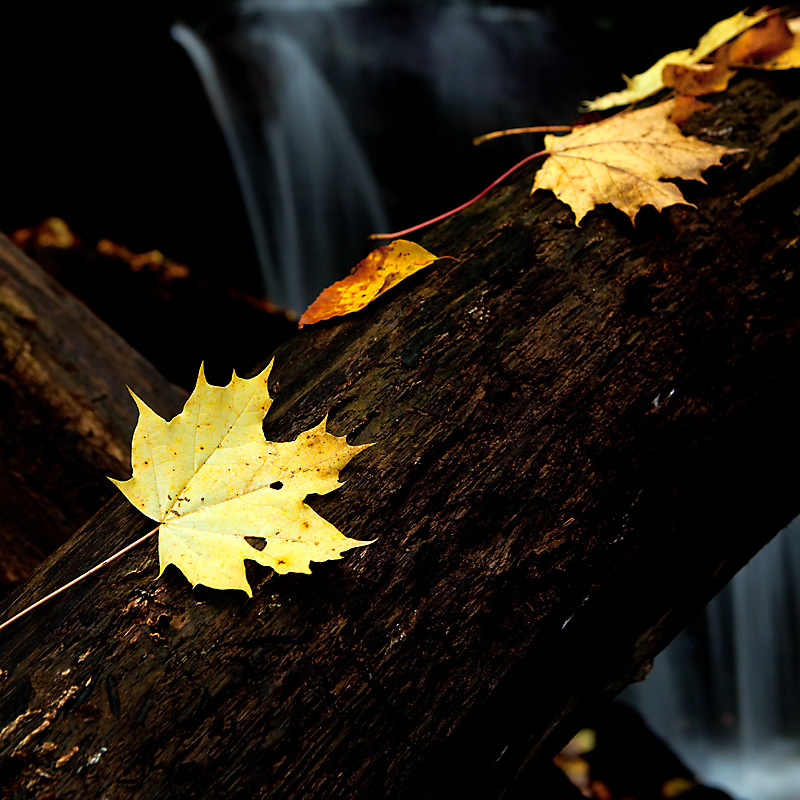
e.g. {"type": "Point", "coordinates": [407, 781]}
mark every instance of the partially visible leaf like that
{"type": "Point", "coordinates": [621, 161]}
{"type": "Point", "coordinates": [760, 43]}
{"type": "Point", "coordinates": [382, 269]}
{"type": "Point", "coordinates": [651, 81]}
{"type": "Point", "coordinates": [698, 79]}
{"type": "Point", "coordinates": [642, 85]}
{"type": "Point", "coordinates": [685, 105]}
{"type": "Point", "coordinates": [789, 58]}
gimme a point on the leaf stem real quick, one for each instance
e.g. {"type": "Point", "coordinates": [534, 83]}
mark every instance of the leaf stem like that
{"type": "Point", "coordinates": [81, 577]}
{"type": "Point", "coordinates": [514, 131]}
{"type": "Point", "coordinates": [398, 234]}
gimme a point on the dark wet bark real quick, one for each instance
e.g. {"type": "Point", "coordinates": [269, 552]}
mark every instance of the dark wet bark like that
{"type": "Point", "coordinates": [67, 417]}
{"type": "Point", "coordinates": [580, 435]}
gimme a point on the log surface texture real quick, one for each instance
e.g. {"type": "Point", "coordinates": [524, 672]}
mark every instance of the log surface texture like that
{"type": "Point", "coordinates": [66, 418]}
{"type": "Point", "coordinates": [580, 435]}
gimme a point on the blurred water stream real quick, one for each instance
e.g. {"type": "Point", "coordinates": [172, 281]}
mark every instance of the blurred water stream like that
{"type": "Point", "coordinates": [725, 693]}
{"type": "Point", "coordinates": [315, 98]}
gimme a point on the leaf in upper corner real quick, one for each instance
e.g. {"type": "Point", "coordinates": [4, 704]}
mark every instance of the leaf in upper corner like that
{"type": "Point", "coordinates": [651, 81]}
{"type": "Point", "coordinates": [621, 160]}
{"type": "Point", "coordinates": [790, 57]}
{"type": "Point", "coordinates": [223, 493]}
{"type": "Point", "coordinates": [382, 269]}
{"type": "Point", "coordinates": [760, 44]}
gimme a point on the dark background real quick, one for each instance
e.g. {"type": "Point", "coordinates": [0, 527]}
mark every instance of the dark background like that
{"type": "Point", "coordinates": [105, 124]}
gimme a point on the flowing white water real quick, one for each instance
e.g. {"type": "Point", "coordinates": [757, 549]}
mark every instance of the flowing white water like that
{"type": "Point", "coordinates": [308, 190]}
{"type": "Point", "coordinates": [725, 693]}
{"type": "Point", "coordinates": [300, 89]}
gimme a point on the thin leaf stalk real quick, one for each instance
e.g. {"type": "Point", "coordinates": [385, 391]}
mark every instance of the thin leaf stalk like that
{"type": "Point", "coordinates": [487, 137]}
{"type": "Point", "coordinates": [86, 574]}
{"type": "Point", "coordinates": [447, 214]}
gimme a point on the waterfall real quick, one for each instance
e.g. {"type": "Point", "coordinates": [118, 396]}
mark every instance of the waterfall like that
{"type": "Point", "coordinates": [725, 693]}
{"type": "Point", "coordinates": [309, 194]}
{"type": "Point", "coordinates": [315, 97]}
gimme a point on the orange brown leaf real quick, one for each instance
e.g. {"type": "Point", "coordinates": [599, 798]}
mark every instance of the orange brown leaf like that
{"type": "Point", "coordinates": [760, 43]}
{"type": "Point", "coordinates": [697, 79]}
{"type": "Point", "coordinates": [685, 105]}
{"type": "Point", "coordinates": [789, 58]}
{"type": "Point", "coordinates": [382, 269]}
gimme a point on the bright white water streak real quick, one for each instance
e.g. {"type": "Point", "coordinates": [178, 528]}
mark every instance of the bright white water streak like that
{"type": "Point", "coordinates": [726, 693]}
{"type": "Point", "coordinates": [308, 191]}
{"type": "Point", "coordinates": [299, 88]}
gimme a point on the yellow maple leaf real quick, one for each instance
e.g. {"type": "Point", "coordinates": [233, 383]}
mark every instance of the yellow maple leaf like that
{"type": "Point", "coordinates": [620, 160]}
{"type": "Point", "coordinates": [382, 269]}
{"type": "Point", "coordinates": [213, 482]}
{"type": "Point", "coordinates": [651, 81]}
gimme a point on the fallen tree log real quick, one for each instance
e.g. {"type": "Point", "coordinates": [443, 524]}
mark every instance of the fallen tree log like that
{"type": "Point", "coordinates": [580, 435]}
{"type": "Point", "coordinates": [67, 417]}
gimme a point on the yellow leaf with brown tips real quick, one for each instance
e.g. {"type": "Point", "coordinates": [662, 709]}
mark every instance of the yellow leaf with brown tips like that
{"type": "Point", "coordinates": [651, 81]}
{"type": "Point", "coordinates": [622, 160]}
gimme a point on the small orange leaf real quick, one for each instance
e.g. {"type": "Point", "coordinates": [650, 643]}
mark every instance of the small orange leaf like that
{"type": "Point", "coordinates": [649, 82]}
{"type": "Point", "coordinates": [684, 106]}
{"type": "Point", "coordinates": [789, 58]}
{"type": "Point", "coordinates": [382, 269]}
{"type": "Point", "coordinates": [760, 43]}
{"type": "Point", "coordinates": [697, 79]}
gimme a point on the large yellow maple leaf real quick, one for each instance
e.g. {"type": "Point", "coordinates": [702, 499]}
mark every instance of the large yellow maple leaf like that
{"type": "Point", "coordinates": [651, 81]}
{"type": "Point", "coordinates": [621, 160]}
{"type": "Point", "coordinates": [213, 482]}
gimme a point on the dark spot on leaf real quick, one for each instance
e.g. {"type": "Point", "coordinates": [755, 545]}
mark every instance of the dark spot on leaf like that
{"type": "Point", "coordinates": [276, 485]}
{"type": "Point", "coordinates": [256, 542]}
